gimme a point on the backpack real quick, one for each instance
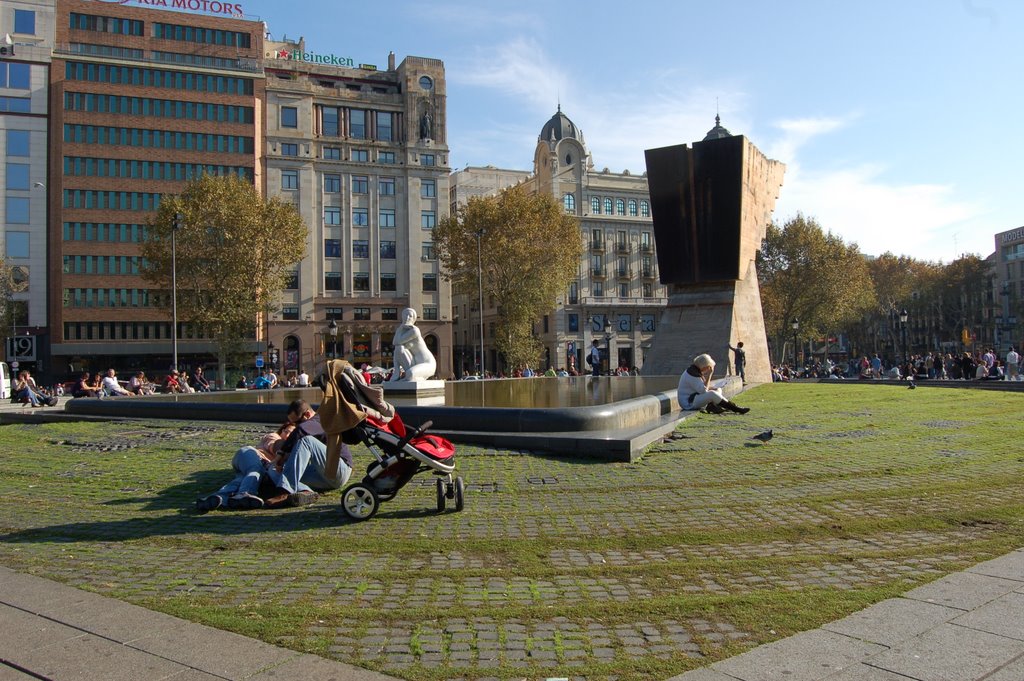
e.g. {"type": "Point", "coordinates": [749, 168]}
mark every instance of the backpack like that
{"type": "Point", "coordinates": [590, 360]}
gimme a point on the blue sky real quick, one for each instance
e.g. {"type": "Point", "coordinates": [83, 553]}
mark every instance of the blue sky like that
{"type": "Point", "coordinates": [899, 121]}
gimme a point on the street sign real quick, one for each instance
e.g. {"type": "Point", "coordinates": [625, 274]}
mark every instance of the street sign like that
{"type": "Point", "coordinates": [259, 361]}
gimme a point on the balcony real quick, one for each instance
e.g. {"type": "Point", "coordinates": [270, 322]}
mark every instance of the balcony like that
{"type": "Point", "coordinates": [624, 273]}
{"type": "Point", "coordinates": [597, 272]}
{"type": "Point", "coordinates": [646, 248]}
{"type": "Point", "coordinates": [597, 245]}
{"type": "Point", "coordinates": [647, 273]}
{"type": "Point", "coordinates": [622, 247]}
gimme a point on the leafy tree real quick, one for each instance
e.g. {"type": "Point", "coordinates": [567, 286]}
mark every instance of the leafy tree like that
{"type": "Point", "coordinates": [807, 274]}
{"type": "Point", "coordinates": [11, 281]}
{"type": "Point", "coordinates": [530, 249]}
{"type": "Point", "coordinates": [234, 250]}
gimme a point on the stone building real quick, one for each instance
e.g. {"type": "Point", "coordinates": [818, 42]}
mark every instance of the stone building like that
{"type": "Point", "coordinates": [362, 152]}
{"type": "Point", "coordinates": [616, 297]}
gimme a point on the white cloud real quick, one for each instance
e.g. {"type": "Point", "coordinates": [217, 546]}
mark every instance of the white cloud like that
{"type": "Point", "coordinates": [918, 220]}
{"type": "Point", "coordinates": [797, 132]}
{"type": "Point", "coordinates": [520, 68]}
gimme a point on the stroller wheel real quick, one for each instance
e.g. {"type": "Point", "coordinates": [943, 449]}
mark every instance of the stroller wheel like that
{"type": "Point", "coordinates": [440, 495]}
{"type": "Point", "coordinates": [360, 502]}
{"type": "Point", "coordinates": [460, 493]}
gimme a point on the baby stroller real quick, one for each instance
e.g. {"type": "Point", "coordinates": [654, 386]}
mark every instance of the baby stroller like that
{"type": "Point", "coordinates": [399, 453]}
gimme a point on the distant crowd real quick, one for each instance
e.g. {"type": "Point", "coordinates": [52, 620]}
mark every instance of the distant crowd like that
{"type": "Point", "coordinates": [986, 365]}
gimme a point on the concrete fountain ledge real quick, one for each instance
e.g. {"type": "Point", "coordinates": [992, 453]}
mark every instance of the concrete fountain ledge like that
{"type": "Point", "coordinates": [618, 431]}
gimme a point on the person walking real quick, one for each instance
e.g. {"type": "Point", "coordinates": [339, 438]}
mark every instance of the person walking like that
{"type": "Point", "coordinates": [595, 359]}
{"type": "Point", "coordinates": [741, 361]}
{"type": "Point", "coordinates": [1012, 365]}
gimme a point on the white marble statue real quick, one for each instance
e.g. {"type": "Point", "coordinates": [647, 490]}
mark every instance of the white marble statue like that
{"type": "Point", "coordinates": [413, 361]}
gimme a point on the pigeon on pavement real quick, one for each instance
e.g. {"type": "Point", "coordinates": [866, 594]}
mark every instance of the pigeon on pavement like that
{"type": "Point", "coordinates": [764, 437]}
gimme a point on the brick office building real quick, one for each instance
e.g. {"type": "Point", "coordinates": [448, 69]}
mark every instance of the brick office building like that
{"type": "Point", "coordinates": [141, 101]}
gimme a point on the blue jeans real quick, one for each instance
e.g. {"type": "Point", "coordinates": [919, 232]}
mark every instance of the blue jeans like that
{"type": "Point", "coordinates": [28, 394]}
{"type": "Point", "coordinates": [304, 469]}
{"type": "Point", "coordinates": [250, 467]}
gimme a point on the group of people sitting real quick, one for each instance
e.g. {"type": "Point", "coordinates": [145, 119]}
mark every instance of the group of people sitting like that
{"type": "Point", "coordinates": [286, 468]}
{"type": "Point", "coordinates": [25, 390]}
{"type": "Point", "coordinates": [108, 385]}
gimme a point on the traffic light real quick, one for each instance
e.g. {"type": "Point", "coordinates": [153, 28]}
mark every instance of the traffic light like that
{"type": "Point", "coordinates": [178, 221]}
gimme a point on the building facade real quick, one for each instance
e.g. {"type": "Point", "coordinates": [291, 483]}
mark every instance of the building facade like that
{"type": "Point", "coordinates": [142, 101]}
{"type": "Point", "coordinates": [616, 297]}
{"type": "Point", "coordinates": [24, 126]}
{"type": "Point", "coordinates": [1008, 281]}
{"type": "Point", "coordinates": [362, 153]}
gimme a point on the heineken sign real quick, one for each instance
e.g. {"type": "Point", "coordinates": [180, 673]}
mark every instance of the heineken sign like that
{"type": "Point", "coordinates": [314, 58]}
{"type": "Point", "coordinates": [233, 9]}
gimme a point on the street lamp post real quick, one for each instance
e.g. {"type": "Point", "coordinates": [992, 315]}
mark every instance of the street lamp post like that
{"type": "Point", "coordinates": [272, 356]}
{"type": "Point", "coordinates": [608, 341]}
{"type": "Point", "coordinates": [176, 224]}
{"type": "Point", "coordinates": [796, 328]}
{"type": "Point", "coordinates": [903, 333]}
{"type": "Point", "coordinates": [480, 291]}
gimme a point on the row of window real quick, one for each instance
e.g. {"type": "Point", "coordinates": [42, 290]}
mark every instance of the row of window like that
{"type": "Point", "coordinates": [356, 155]}
{"type": "Point", "coordinates": [105, 231]}
{"type": "Point", "coordinates": [104, 264]}
{"type": "Point", "coordinates": [359, 314]}
{"type": "Point", "coordinates": [145, 170]}
{"type": "Point", "coordinates": [111, 200]}
{"type": "Point", "coordinates": [15, 104]}
{"type": "Point", "coordinates": [110, 297]}
{"type": "Point", "coordinates": [619, 207]}
{"type": "Point", "coordinates": [621, 289]}
{"type": "Point", "coordinates": [622, 268]}
{"type": "Point", "coordinates": [160, 108]}
{"type": "Point", "coordinates": [102, 24]}
{"type": "Point", "coordinates": [158, 139]}
{"type": "Point", "coordinates": [15, 75]}
{"type": "Point", "coordinates": [360, 184]}
{"type": "Point", "coordinates": [178, 80]}
{"type": "Point", "coordinates": [81, 331]}
{"type": "Point", "coordinates": [361, 282]}
{"type": "Point", "coordinates": [195, 34]}
{"type": "Point", "coordinates": [340, 121]}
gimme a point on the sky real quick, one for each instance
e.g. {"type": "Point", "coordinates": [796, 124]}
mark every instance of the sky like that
{"type": "Point", "coordinates": [900, 122]}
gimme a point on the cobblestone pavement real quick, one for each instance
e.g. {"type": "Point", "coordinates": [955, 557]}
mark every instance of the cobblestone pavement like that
{"type": "Point", "coordinates": [580, 569]}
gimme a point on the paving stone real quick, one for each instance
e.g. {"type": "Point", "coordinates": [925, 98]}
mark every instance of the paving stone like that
{"type": "Point", "coordinates": [951, 653]}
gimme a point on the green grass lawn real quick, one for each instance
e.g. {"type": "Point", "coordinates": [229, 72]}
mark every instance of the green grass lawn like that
{"type": "Point", "coordinates": [711, 544]}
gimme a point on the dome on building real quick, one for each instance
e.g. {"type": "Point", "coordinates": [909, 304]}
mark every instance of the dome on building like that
{"type": "Point", "coordinates": [560, 127]}
{"type": "Point", "coordinates": [717, 132]}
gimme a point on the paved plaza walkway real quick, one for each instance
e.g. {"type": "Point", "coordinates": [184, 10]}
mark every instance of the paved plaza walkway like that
{"type": "Point", "coordinates": [968, 626]}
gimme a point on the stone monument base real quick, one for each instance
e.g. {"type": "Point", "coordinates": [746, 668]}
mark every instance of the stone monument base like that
{"type": "Point", "coordinates": [709, 318]}
{"type": "Point", "coordinates": [417, 388]}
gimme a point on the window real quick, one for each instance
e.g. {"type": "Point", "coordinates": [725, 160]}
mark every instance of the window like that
{"type": "Point", "coordinates": [17, 245]}
{"type": "Point", "coordinates": [360, 155]}
{"type": "Point", "coordinates": [645, 266]}
{"type": "Point", "coordinates": [332, 248]}
{"type": "Point", "coordinates": [289, 149]}
{"type": "Point", "coordinates": [595, 205]}
{"type": "Point", "coordinates": [332, 184]}
{"type": "Point", "coordinates": [645, 209]}
{"type": "Point", "coordinates": [332, 281]}
{"type": "Point", "coordinates": [648, 289]}
{"type": "Point", "coordinates": [608, 207]}
{"type": "Point", "coordinates": [290, 313]}
{"type": "Point", "coordinates": [332, 153]}
{"type": "Point", "coordinates": [361, 314]}
{"type": "Point", "coordinates": [623, 289]}
{"type": "Point", "coordinates": [291, 281]}
{"type": "Point", "coordinates": [387, 250]}
{"type": "Point", "coordinates": [17, 175]}
{"type": "Point", "coordinates": [597, 264]}
{"type": "Point", "coordinates": [573, 322]}
{"type": "Point", "coordinates": [14, 75]}
{"type": "Point", "coordinates": [289, 179]}
{"type": "Point", "coordinates": [388, 281]}
{"type": "Point", "coordinates": [361, 281]}
{"type": "Point", "coordinates": [598, 289]}
{"type": "Point", "coordinates": [645, 241]}
{"type": "Point", "coordinates": [427, 160]}
{"type": "Point", "coordinates": [25, 21]}
{"type": "Point", "coordinates": [17, 210]}
{"type": "Point", "coordinates": [386, 186]}
{"type": "Point", "coordinates": [428, 220]}
{"type": "Point", "coordinates": [430, 313]}
{"type": "Point", "coordinates": [332, 216]}
{"type": "Point", "coordinates": [16, 104]}
{"type": "Point", "coordinates": [357, 124]}
{"type": "Point", "coordinates": [386, 157]}
{"type": "Point", "coordinates": [18, 142]}
{"type": "Point", "coordinates": [389, 314]}
{"type": "Point", "coordinates": [360, 218]}
{"type": "Point", "coordinates": [620, 266]}
{"type": "Point", "coordinates": [428, 251]}
{"type": "Point", "coordinates": [328, 120]}
{"type": "Point", "coordinates": [569, 201]}
{"type": "Point", "coordinates": [384, 125]}
{"type": "Point", "coordinates": [632, 207]}
{"type": "Point", "coordinates": [574, 293]}
{"type": "Point", "coordinates": [620, 207]}
{"type": "Point", "coordinates": [360, 248]}
{"type": "Point", "coordinates": [289, 117]}
{"type": "Point", "coordinates": [387, 217]}
{"type": "Point", "coordinates": [429, 282]}
{"type": "Point", "coordinates": [428, 189]}
{"type": "Point", "coordinates": [360, 185]}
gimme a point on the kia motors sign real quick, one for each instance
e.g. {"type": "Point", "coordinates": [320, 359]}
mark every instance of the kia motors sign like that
{"type": "Point", "coordinates": [233, 9]}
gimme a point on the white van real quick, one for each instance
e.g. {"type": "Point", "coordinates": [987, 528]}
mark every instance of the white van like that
{"type": "Point", "coordinates": [5, 381]}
